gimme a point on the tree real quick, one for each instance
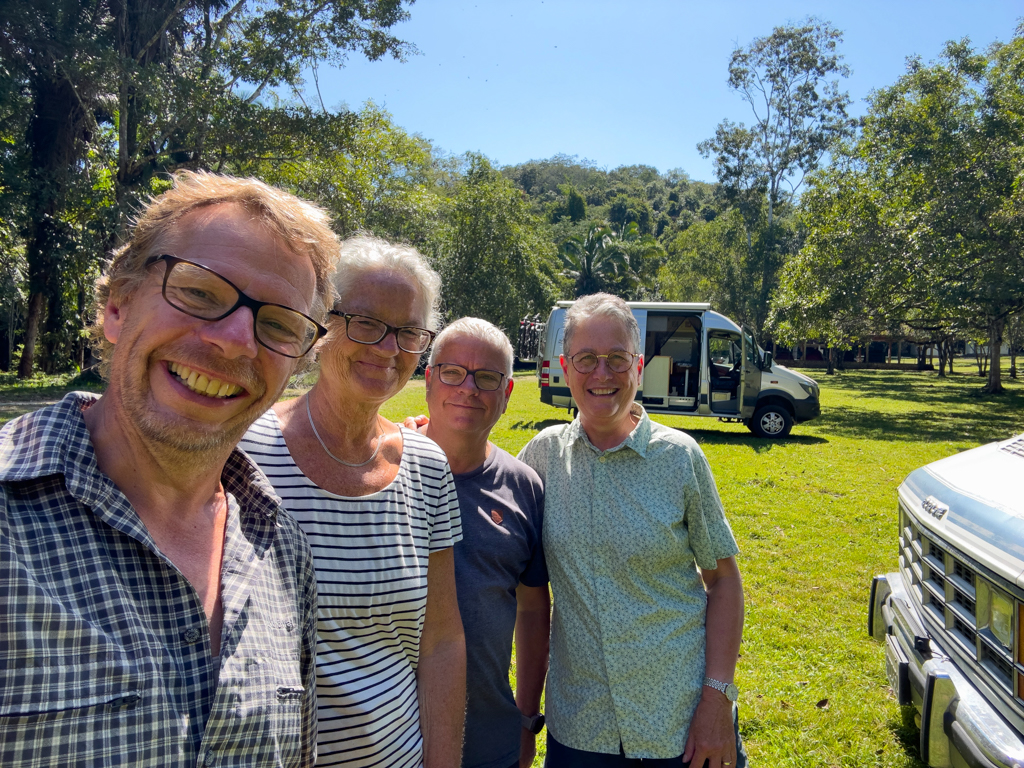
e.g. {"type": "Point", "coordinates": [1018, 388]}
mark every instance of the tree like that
{"type": "Point", "coordinates": [790, 81]}
{"type": "Point", "coordinates": [492, 262]}
{"type": "Point", "coordinates": [573, 206]}
{"type": "Point", "coordinates": [178, 82]}
{"type": "Point", "coordinates": [839, 286]}
{"type": "Point", "coordinates": [920, 222]}
{"type": "Point", "coordinates": [642, 256]}
{"type": "Point", "coordinates": [592, 262]}
{"type": "Point", "coordinates": [706, 262]}
{"type": "Point", "coordinates": [368, 172]}
{"type": "Point", "coordinates": [946, 145]}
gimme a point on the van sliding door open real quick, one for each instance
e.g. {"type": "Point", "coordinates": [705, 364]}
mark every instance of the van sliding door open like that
{"type": "Point", "coordinates": [672, 361]}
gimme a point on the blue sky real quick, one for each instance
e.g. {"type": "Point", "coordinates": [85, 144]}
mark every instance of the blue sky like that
{"type": "Point", "coordinates": [621, 83]}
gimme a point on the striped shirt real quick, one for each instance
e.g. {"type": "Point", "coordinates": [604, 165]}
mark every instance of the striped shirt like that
{"type": "Point", "coordinates": [370, 555]}
{"type": "Point", "coordinates": [105, 652]}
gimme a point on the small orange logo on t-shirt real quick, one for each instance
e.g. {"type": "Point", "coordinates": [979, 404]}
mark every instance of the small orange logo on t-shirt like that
{"type": "Point", "coordinates": [496, 516]}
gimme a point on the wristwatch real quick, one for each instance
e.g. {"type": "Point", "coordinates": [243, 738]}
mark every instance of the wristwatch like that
{"type": "Point", "coordinates": [729, 689]}
{"type": "Point", "coordinates": [534, 724]}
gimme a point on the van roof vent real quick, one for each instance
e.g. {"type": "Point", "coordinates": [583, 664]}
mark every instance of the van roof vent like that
{"type": "Point", "coordinates": [1016, 447]}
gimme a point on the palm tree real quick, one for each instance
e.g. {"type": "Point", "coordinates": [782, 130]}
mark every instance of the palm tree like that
{"type": "Point", "coordinates": [641, 257]}
{"type": "Point", "coordinates": [591, 261]}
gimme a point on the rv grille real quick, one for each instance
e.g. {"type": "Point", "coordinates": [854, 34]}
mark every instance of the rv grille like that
{"type": "Point", "coordinates": [946, 587]}
{"type": "Point", "coordinates": [1016, 447]}
{"type": "Point", "coordinates": [1002, 670]}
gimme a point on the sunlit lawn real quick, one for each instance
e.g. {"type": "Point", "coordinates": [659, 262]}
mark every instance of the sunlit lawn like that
{"type": "Point", "coordinates": [815, 518]}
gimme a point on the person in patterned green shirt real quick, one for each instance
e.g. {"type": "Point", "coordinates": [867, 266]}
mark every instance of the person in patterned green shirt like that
{"type": "Point", "coordinates": [648, 599]}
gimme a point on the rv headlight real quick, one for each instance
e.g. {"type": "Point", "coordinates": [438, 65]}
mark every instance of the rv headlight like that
{"type": "Point", "coordinates": [996, 612]}
{"type": "Point", "coordinates": [810, 389]}
{"type": "Point", "coordinates": [1002, 619]}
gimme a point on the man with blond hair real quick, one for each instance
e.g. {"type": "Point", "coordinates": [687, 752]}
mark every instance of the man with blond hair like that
{"type": "Point", "coordinates": [500, 574]}
{"type": "Point", "coordinates": [160, 606]}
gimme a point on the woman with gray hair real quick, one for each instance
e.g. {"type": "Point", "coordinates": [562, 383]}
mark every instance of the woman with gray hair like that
{"type": "Point", "coordinates": [378, 506]}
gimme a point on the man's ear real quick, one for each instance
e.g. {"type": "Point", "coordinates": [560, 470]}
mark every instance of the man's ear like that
{"type": "Point", "coordinates": [508, 394]}
{"type": "Point", "coordinates": [564, 364]}
{"type": "Point", "coordinates": [427, 376]}
{"type": "Point", "coordinates": [113, 318]}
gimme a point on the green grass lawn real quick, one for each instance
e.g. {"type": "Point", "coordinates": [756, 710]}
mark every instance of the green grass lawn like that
{"type": "Point", "coordinates": [815, 517]}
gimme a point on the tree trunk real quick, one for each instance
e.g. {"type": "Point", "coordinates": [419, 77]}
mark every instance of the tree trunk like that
{"type": "Point", "coordinates": [942, 360]}
{"type": "Point", "coordinates": [995, 342]}
{"type": "Point", "coordinates": [52, 135]}
{"type": "Point", "coordinates": [36, 302]}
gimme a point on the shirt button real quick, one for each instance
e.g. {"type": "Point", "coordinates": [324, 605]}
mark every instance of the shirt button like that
{"type": "Point", "coordinates": [289, 625]}
{"type": "Point", "coordinates": [191, 635]}
{"type": "Point", "coordinates": [602, 459]}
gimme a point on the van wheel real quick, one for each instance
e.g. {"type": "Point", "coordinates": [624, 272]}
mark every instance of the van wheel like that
{"type": "Point", "coordinates": [772, 421]}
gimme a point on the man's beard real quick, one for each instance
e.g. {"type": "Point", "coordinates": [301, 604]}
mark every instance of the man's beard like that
{"type": "Point", "coordinates": [179, 435]}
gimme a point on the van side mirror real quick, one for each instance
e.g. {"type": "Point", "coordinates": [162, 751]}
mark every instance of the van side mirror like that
{"type": "Point", "coordinates": [768, 360]}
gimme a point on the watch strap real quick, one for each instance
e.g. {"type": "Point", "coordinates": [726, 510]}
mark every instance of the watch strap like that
{"type": "Point", "coordinates": [533, 723]}
{"type": "Point", "coordinates": [729, 689]}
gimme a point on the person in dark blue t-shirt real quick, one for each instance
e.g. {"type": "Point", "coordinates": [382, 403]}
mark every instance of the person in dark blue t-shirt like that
{"type": "Point", "coordinates": [500, 574]}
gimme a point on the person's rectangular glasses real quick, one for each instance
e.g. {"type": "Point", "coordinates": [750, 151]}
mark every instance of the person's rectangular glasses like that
{"type": "Point", "coordinates": [453, 375]}
{"type": "Point", "coordinates": [619, 362]}
{"type": "Point", "coordinates": [200, 292]}
{"type": "Point", "coordinates": [364, 329]}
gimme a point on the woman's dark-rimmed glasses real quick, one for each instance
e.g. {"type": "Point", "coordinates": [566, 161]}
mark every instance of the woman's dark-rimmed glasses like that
{"type": "Point", "coordinates": [364, 329]}
{"type": "Point", "coordinates": [200, 292]}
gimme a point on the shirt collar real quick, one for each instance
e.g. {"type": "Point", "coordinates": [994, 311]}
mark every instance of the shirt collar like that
{"type": "Point", "coordinates": [56, 441]}
{"type": "Point", "coordinates": [637, 440]}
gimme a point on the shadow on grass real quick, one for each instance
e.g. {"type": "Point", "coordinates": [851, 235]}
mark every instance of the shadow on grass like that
{"type": "Point", "coordinates": [985, 425]}
{"type": "Point", "coordinates": [537, 426]}
{"type": "Point", "coordinates": [757, 444]}
{"type": "Point", "coordinates": [959, 389]}
{"type": "Point", "coordinates": [908, 735]}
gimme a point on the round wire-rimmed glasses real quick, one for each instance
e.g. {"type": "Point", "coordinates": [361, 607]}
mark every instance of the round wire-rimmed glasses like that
{"type": "Point", "coordinates": [364, 329]}
{"type": "Point", "coordinates": [453, 375]}
{"type": "Point", "coordinates": [200, 292]}
{"type": "Point", "coordinates": [618, 362]}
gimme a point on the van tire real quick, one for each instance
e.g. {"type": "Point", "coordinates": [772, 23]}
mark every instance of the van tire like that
{"type": "Point", "coordinates": [771, 421]}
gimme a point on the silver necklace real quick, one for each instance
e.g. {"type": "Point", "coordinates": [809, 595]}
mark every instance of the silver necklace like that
{"type": "Point", "coordinates": [380, 442]}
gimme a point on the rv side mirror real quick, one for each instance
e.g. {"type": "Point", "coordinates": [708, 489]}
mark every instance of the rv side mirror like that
{"type": "Point", "coordinates": [767, 361]}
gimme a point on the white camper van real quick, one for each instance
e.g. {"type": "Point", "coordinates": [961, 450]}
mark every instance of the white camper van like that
{"type": "Point", "coordinates": [696, 363]}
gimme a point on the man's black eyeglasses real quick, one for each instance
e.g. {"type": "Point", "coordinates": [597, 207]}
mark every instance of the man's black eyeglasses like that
{"type": "Point", "coordinates": [364, 329]}
{"type": "Point", "coordinates": [200, 292]}
{"type": "Point", "coordinates": [453, 375]}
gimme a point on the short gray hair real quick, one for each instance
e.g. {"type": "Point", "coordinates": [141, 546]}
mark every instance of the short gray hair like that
{"type": "Point", "coordinates": [363, 254]}
{"type": "Point", "coordinates": [597, 305]}
{"type": "Point", "coordinates": [475, 328]}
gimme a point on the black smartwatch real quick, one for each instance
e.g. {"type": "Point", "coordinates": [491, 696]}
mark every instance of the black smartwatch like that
{"type": "Point", "coordinates": [534, 724]}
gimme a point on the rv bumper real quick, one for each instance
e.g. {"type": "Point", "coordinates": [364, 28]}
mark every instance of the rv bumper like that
{"type": "Point", "coordinates": [958, 725]}
{"type": "Point", "coordinates": [807, 409]}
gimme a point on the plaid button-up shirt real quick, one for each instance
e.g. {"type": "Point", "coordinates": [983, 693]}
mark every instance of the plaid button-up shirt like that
{"type": "Point", "coordinates": [105, 655]}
